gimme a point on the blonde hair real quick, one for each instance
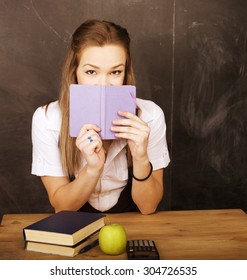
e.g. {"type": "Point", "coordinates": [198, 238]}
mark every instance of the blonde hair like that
{"type": "Point", "coordinates": [90, 33]}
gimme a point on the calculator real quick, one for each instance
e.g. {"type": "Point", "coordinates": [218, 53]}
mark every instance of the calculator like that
{"type": "Point", "coordinates": [142, 250]}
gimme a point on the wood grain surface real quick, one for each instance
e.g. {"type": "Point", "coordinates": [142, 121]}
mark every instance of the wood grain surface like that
{"type": "Point", "coordinates": [179, 235]}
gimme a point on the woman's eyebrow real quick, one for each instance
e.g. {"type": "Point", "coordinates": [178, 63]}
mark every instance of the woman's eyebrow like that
{"type": "Point", "coordinates": [97, 67]}
{"type": "Point", "coordinates": [121, 64]}
{"type": "Point", "coordinates": [91, 65]}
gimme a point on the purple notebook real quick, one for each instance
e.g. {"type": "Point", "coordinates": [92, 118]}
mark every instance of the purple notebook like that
{"type": "Point", "coordinates": [99, 105]}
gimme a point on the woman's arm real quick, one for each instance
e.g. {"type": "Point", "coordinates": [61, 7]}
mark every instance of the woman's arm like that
{"type": "Point", "coordinates": [146, 194]}
{"type": "Point", "coordinates": [66, 195]}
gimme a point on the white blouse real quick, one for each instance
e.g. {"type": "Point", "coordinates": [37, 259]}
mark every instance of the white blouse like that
{"type": "Point", "coordinates": [46, 156]}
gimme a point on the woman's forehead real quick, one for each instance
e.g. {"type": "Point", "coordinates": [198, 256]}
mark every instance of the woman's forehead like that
{"type": "Point", "coordinates": [110, 55]}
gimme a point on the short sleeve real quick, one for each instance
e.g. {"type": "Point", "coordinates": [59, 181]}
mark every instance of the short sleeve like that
{"type": "Point", "coordinates": [158, 153]}
{"type": "Point", "coordinates": [45, 136]}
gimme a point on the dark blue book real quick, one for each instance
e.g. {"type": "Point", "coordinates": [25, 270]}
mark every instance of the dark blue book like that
{"type": "Point", "coordinates": [69, 251]}
{"type": "Point", "coordinates": [64, 228]}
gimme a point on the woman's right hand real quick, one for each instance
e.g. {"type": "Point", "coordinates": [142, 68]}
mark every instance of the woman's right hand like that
{"type": "Point", "coordinates": [90, 144]}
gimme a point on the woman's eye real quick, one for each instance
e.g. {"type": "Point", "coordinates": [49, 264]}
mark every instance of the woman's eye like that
{"type": "Point", "coordinates": [91, 72]}
{"type": "Point", "coordinates": [117, 72]}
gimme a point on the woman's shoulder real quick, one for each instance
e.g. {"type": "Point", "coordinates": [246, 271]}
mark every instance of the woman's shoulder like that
{"type": "Point", "coordinates": [149, 109]}
{"type": "Point", "coordinates": [50, 115]}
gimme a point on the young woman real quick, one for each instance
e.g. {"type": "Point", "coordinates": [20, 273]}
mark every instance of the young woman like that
{"type": "Point", "coordinates": [88, 173]}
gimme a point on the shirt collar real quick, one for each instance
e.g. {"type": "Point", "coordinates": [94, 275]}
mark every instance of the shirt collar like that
{"type": "Point", "coordinates": [115, 148]}
{"type": "Point", "coordinates": [146, 115]}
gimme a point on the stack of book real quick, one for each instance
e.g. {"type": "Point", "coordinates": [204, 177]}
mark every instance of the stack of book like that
{"type": "Point", "coordinates": [65, 233]}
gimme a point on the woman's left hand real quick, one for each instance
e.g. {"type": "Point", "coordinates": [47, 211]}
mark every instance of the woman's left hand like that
{"type": "Point", "coordinates": [136, 131]}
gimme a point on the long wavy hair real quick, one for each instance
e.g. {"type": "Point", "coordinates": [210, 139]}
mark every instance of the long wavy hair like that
{"type": "Point", "coordinates": [90, 33]}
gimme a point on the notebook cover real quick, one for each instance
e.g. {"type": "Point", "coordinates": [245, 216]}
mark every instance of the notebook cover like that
{"type": "Point", "coordinates": [99, 105]}
{"type": "Point", "coordinates": [66, 222]}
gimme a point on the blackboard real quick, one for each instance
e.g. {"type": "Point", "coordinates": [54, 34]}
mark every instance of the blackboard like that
{"type": "Point", "coordinates": [210, 143]}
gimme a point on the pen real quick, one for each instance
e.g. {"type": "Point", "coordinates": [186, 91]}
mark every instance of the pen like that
{"type": "Point", "coordinates": [90, 246]}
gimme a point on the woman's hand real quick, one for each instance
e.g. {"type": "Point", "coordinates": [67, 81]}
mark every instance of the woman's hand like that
{"type": "Point", "coordinates": [136, 131]}
{"type": "Point", "coordinates": [90, 144]}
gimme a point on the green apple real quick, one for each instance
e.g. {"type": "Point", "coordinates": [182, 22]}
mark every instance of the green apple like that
{"type": "Point", "coordinates": [112, 239]}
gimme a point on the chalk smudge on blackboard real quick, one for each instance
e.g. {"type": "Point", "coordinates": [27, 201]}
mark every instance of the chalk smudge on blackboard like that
{"type": "Point", "coordinates": [214, 96]}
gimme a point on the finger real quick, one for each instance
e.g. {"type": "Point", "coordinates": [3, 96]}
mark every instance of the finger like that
{"type": "Point", "coordinates": [132, 121]}
{"type": "Point", "coordinates": [88, 137]}
{"type": "Point", "coordinates": [126, 129]}
{"type": "Point", "coordinates": [92, 147]}
{"type": "Point", "coordinates": [91, 134]}
{"type": "Point", "coordinates": [130, 136]}
{"type": "Point", "coordinates": [131, 116]}
{"type": "Point", "coordinates": [126, 123]}
{"type": "Point", "coordinates": [85, 137]}
{"type": "Point", "coordinates": [89, 147]}
{"type": "Point", "coordinates": [88, 127]}
{"type": "Point", "coordinates": [95, 139]}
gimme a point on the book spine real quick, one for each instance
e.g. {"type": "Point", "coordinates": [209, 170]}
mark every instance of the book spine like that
{"type": "Point", "coordinates": [103, 111]}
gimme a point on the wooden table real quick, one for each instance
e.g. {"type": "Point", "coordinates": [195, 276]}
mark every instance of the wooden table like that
{"type": "Point", "coordinates": [203, 234]}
